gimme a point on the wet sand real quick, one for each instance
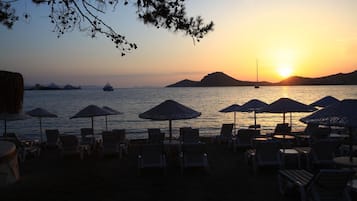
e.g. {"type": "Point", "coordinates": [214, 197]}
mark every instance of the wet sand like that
{"type": "Point", "coordinates": [108, 178]}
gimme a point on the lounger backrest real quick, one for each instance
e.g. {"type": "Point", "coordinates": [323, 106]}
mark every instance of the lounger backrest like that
{"type": "Point", "coordinates": [193, 153]}
{"type": "Point", "coordinates": [86, 131]}
{"type": "Point", "coordinates": [152, 153]}
{"type": "Point", "coordinates": [191, 136]}
{"type": "Point", "coordinates": [245, 136]}
{"type": "Point", "coordinates": [320, 133]}
{"type": "Point", "coordinates": [109, 139]}
{"type": "Point", "coordinates": [69, 141]}
{"type": "Point", "coordinates": [267, 152]}
{"type": "Point", "coordinates": [226, 130]}
{"type": "Point", "coordinates": [184, 130]}
{"type": "Point", "coordinates": [155, 136]}
{"type": "Point", "coordinates": [52, 136]}
{"type": "Point", "coordinates": [330, 184]}
{"type": "Point", "coordinates": [324, 150]}
{"type": "Point", "coordinates": [120, 134]}
{"type": "Point", "coordinates": [282, 128]}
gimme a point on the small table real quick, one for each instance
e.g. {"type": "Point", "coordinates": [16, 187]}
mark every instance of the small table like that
{"type": "Point", "coordinates": [345, 161]}
{"type": "Point", "coordinates": [284, 137]}
{"type": "Point", "coordinates": [290, 152]}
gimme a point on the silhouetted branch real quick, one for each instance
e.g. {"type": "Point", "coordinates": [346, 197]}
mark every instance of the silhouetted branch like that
{"type": "Point", "coordinates": [68, 14]}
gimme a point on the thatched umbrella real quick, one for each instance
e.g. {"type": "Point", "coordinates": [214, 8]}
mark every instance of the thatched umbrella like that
{"type": "Point", "coordinates": [325, 101]}
{"type": "Point", "coordinates": [169, 110]}
{"type": "Point", "coordinates": [112, 112]}
{"type": "Point", "coordinates": [40, 113]}
{"type": "Point", "coordinates": [232, 108]}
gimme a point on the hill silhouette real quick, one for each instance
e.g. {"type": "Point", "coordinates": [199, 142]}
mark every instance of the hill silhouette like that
{"type": "Point", "coordinates": [219, 79]}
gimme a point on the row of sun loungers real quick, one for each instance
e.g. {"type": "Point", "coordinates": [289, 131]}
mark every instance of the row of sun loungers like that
{"type": "Point", "coordinates": [316, 176]}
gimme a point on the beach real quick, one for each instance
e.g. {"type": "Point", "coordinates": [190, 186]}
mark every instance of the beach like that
{"type": "Point", "coordinates": [109, 178]}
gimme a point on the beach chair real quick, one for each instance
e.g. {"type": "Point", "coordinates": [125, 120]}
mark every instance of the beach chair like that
{"type": "Point", "coordinates": [326, 185]}
{"type": "Point", "coordinates": [24, 148]}
{"type": "Point", "coordinates": [155, 136]}
{"type": "Point", "coordinates": [319, 133]}
{"type": "Point", "coordinates": [191, 136]}
{"type": "Point", "coordinates": [123, 141]}
{"type": "Point", "coordinates": [151, 156]}
{"type": "Point", "coordinates": [282, 129]}
{"type": "Point", "coordinates": [244, 138]}
{"type": "Point", "coordinates": [70, 146]}
{"type": "Point", "coordinates": [52, 136]}
{"type": "Point", "coordinates": [193, 156]}
{"type": "Point", "coordinates": [322, 153]}
{"type": "Point", "coordinates": [267, 153]}
{"type": "Point", "coordinates": [183, 130]}
{"type": "Point", "coordinates": [225, 134]}
{"type": "Point", "coordinates": [87, 136]}
{"type": "Point", "coordinates": [110, 144]}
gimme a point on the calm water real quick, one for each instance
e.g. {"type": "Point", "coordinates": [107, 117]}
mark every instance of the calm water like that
{"type": "Point", "coordinates": [133, 101]}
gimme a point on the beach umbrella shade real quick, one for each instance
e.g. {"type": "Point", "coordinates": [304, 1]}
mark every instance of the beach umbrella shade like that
{"type": "Point", "coordinates": [40, 113]}
{"type": "Point", "coordinates": [91, 111]}
{"type": "Point", "coordinates": [169, 110]}
{"type": "Point", "coordinates": [325, 101]}
{"type": "Point", "coordinates": [112, 112]}
{"type": "Point", "coordinates": [342, 114]}
{"type": "Point", "coordinates": [12, 117]}
{"type": "Point", "coordinates": [232, 108]}
{"type": "Point", "coordinates": [285, 105]}
{"type": "Point", "coordinates": [253, 105]}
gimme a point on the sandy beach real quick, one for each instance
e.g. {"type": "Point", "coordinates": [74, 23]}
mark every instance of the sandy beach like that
{"type": "Point", "coordinates": [108, 178]}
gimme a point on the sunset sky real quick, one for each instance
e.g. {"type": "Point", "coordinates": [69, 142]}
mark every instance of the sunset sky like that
{"type": "Point", "coordinates": [308, 38]}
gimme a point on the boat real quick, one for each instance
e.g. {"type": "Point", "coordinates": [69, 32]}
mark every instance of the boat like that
{"type": "Point", "coordinates": [108, 87]}
{"type": "Point", "coordinates": [256, 86]}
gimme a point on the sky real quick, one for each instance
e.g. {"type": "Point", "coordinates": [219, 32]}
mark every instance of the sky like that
{"type": "Point", "coordinates": [285, 37]}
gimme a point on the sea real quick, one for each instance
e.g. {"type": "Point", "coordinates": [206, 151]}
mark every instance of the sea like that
{"type": "Point", "coordinates": [133, 101]}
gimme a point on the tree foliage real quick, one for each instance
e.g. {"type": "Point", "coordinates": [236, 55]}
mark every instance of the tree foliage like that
{"type": "Point", "coordinates": [68, 15]}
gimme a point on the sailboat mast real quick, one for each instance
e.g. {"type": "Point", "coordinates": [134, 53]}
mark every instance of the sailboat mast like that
{"type": "Point", "coordinates": [256, 83]}
{"type": "Point", "coordinates": [257, 68]}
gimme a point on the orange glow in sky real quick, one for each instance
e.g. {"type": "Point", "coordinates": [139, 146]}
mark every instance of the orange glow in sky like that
{"type": "Point", "coordinates": [305, 38]}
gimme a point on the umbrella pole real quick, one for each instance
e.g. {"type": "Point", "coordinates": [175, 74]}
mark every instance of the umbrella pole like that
{"type": "Point", "coordinates": [291, 119]}
{"type": "Point", "coordinates": [106, 123]}
{"type": "Point", "coordinates": [284, 117]}
{"type": "Point", "coordinates": [350, 146]}
{"type": "Point", "coordinates": [41, 130]}
{"type": "Point", "coordinates": [235, 129]}
{"type": "Point", "coordinates": [170, 129]}
{"type": "Point", "coordinates": [255, 121]}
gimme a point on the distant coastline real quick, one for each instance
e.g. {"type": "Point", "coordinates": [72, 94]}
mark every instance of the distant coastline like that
{"type": "Point", "coordinates": [220, 79]}
{"type": "Point", "coordinates": [52, 87]}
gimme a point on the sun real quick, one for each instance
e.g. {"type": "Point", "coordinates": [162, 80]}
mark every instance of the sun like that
{"type": "Point", "coordinates": [285, 70]}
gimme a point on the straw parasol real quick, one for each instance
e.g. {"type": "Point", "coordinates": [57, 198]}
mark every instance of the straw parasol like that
{"type": "Point", "coordinates": [169, 110]}
{"type": "Point", "coordinates": [325, 101]}
{"type": "Point", "coordinates": [12, 117]}
{"type": "Point", "coordinates": [40, 113]}
{"type": "Point", "coordinates": [91, 111]}
{"type": "Point", "coordinates": [112, 112]}
{"type": "Point", "coordinates": [233, 108]}
{"type": "Point", "coordinates": [342, 114]}
{"type": "Point", "coordinates": [253, 105]}
{"type": "Point", "coordinates": [285, 105]}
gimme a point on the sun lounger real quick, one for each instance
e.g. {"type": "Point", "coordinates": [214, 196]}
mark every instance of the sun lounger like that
{"type": "Point", "coordinates": [327, 184]}
{"type": "Point", "coordinates": [267, 153]}
{"type": "Point", "coordinates": [123, 142]}
{"type": "Point", "coordinates": [70, 146]}
{"type": "Point", "coordinates": [225, 134]}
{"type": "Point", "coordinates": [110, 144]}
{"type": "Point", "coordinates": [193, 155]}
{"type": "Point", "coordinates": [322, 153]}
{"type": "Point", "coordinates": [244, 138]}
{"type": "Point", "coordinates": [52, 136]}
{"type": "Point", "coordinates": [151, 156]}
{"type": "Point", "coordinates": [155, 136]}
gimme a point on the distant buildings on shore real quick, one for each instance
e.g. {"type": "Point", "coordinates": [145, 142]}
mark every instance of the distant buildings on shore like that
{"type": "Point", "coordinates": [51, 86]}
